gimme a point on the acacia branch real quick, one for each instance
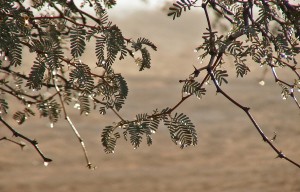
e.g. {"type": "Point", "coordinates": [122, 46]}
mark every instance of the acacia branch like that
{"type": "Point", "coordinates": [22, 145]}
{"type": "Point", "coordinates": [89, 164]}
{"type": "Point", "coordinates": [34, 143]}
{"type": "Point", "coordinates": [247, 111]}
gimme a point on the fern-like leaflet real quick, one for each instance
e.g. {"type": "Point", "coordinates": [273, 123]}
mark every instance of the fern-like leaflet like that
{"type": "Point", "coordinates": [77, 35]}
{"type": "Point", "coordinates": [182, 130]}
{"type": "Point", "coordinates": [81, 77]}
{"type": "Point", "coordinates": [114, 42]}
{"type": "Point", "coordinates": [109, 139]}
{"type": "Point", "coordinates": [15, 53]}
{"type": "Point", "coordinates": [50, 109]}
{"type": "Point", "coordinates": [177, 7]}
{"type": "Point", "coordinates": [220, 76]}
{"type": "Point", "coordinates": [241, 68]}
{"type": "Point", "coordinates": [21, 116]}
{"type": "Point", "coordinates": [84, 104]}
{"type": "Point", "coordinates": [193, 87]}
{"type": "Point", "coordinates": [36, 74]}
{"type": "Point", "coordinates": [3, 106]}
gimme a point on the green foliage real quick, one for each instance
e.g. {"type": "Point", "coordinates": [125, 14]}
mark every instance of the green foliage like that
{"type": "Point", "coordinates": [176, 9]}
{"type": "Point", "coordinates": [182, 130]}
{"type": "Point", "coordinates": [241, 68]}
{"type": "Point", "coordinates": [36, 76]}
{"type": "Point", "coordinates": [145, 61]}
{"type": "Point", "coordinates": [220, 76]}
{"type": "Point", "coordinates": [56, 34]}
{"type": "Point", "coordinates": [77, 35]}
{"type": "Point", "coordinates": [193, 87]}
{"type": "Point", "coordinates": [21, 116]}
{"type": "Point", "coordinates": [50, 109]}
{"type": "Point", "coordinates": [81, 78]}
{"type": "Point", "coordinates": [109, 139]}
{"type": "Point", "coordinates": [3, 106]}
{"type": "Point", "coordinates": [114, 41]}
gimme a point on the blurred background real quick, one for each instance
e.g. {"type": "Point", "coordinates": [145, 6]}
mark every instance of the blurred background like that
{"type": "Point", "coordinates": [230, 155]}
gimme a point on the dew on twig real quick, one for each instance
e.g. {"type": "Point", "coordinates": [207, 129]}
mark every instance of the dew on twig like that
{"type": "Point", "coordinates": [262, 82]}
{"type": "Point", "coordinates": [46, 163]}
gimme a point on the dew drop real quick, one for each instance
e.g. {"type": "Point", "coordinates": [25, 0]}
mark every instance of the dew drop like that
{"type": "Point", "coordinates": [153, 131]}
{"type": "Point", "coordinates": [51, 125]}
{"type": "Point", "coordinates": [283, 55]}
{"type": "Point", "coordinates": [195, 50]}
{"type": "Point", "coordinates": [283, 96]}
{"type": "Point", "coordinates": [262, 82]}
{"type": "Point", "coordinates": [77, 106]}
{"type": "Point", "coordinates": [28, 105]}
{"type": "Point", "coordinates": [86, 113]}
{"type": "Point", "coordinates": [46, 163]}
{"type": "Point", "coordinates": [54, 72]}
{"type": "Point", "coordinates": [5, 58]}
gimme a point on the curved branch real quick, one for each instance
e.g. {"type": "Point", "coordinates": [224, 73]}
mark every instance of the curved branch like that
{"type": "Point", "coordinates": [247, 111]}
{"type": "Point", "coordinates": [34, 143]}
{"type": "Point", "coordinates": [89, 164]}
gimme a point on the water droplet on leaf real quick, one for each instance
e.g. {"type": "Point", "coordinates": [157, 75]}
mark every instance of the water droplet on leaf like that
{"type": "Point", "coordinates": [153, 131]}
{"type": "Point", "coordinates": [46, 163]}
{"type": "Point", "coordinates": [178, 142]}
{"type": "Point", "coordinates": [77, 106]}
{"type": "Point", "coordinates": [283, 96]}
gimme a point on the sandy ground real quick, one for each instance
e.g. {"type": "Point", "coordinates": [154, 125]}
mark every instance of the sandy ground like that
{"type": "Point", "coordinates": [230, 156]}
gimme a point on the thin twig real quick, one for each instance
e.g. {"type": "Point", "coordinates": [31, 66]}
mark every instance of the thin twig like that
{"type": "Point", "coordinates": [89, 164]}
{"type": "Point", "coordinates": [22, 145]}
{"type": "Point", "coordinates": [34, 143]}
{"type": "Point", "coordinates": [247, 111]}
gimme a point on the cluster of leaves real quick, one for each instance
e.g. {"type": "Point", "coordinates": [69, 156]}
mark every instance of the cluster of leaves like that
{"type": "Point", "coordinates": [58, 77]}
{"type": "Point", "coordinates": [269, 39]}
{"type": "Point", "coordinates": [182, 130]}
{"type": "Point", "coordinates": [56, 40]}
{"type": "Point", "coordinates": [52, 74]}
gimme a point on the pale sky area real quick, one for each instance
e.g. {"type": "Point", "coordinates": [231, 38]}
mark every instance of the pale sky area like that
{"type": "Point", "coordinates": [129, 6]}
